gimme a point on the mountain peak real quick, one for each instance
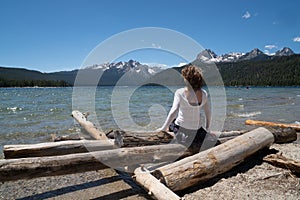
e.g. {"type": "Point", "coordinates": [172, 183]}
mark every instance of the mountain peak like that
{"type": "Point", "coordinates": [206, 54]}
{"type": "Point", "coordinates": [284, 52]}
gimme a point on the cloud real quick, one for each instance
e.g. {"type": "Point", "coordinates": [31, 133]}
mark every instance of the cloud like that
{"type": "Point", "coordinates": [156, 46]}
{"type": "Point", "coordinates": [246, 15]}
{"type": "Point", "coordinates": [268, 52]}
{"type": "Point", "coordinates": [296, 39]}
{"type": "Point", "coordinates": [270, 46]}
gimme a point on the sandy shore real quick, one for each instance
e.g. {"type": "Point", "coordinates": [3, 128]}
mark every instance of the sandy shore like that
{"type": "Point", "coordinates": [253, 179]}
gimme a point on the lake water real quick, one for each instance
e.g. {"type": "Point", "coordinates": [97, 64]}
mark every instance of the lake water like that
{"type": "Point", "coordinates": [31, 115]}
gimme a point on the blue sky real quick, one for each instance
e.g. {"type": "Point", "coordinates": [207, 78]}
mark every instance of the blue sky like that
{"type": "Point", "coordinates": [55, 35]}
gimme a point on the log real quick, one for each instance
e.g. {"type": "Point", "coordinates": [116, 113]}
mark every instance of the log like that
{"type": "Point", "coordinates": [56, 138]}
{"type": "Point", "coordinates": [27, 168]}
{"type": "Point", "coordinates": [283, 162]}
{"type": "Point", "coordinates": [134, 139]}
{"type": "Point", "coordinates": [232, 133]}
{"type": "Point", "coordinates": [265, 123]}
{"type": "Point", "coordinates": [212, 162]}
{"type": "Point", "coordinates": [55, 148]}
{"type": "Point", "coordinates": [88, 126]}
{"type": "Point", "coordinates": [153, 186]}
{"type": "Point", "coordinates": [81, 146]}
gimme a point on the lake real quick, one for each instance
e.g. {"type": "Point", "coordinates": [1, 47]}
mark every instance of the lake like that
{"type": "Point", "coordinates": [31, 115]}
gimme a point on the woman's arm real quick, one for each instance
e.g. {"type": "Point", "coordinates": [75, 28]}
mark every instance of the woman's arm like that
{"type": "Point", "coordinates": [207, 112]}
{"type": "Point", "coordinates": [173, 112]}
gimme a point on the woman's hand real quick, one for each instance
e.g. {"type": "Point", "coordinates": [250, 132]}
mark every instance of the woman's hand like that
{"type": "Point", "coordinates": [159, 129]}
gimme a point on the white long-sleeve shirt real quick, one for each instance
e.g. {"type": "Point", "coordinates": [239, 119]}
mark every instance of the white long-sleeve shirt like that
{"type": "Point", "coordinates": [187, 115]}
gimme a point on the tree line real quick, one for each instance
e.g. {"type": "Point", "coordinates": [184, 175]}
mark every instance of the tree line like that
{"type": "Point", "coordinates": [33, 83]}
{"type": "Point", "coordinates": [282, 71]}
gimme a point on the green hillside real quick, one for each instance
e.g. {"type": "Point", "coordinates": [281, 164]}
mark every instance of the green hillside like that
{"type": "Point", "coordinates": [282, 71]}
{"type": "Point", "coordinates": [19, 77]}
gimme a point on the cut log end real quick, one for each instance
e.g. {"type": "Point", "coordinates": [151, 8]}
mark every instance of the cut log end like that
{"type": "Point", "coordinates": [283, 135]}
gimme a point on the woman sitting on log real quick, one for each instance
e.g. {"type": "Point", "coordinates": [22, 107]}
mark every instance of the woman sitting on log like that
{"type": "Point", "coordinates": [184, 116]}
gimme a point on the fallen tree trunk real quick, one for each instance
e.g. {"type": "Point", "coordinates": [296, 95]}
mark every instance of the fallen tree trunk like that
{"type": "Point", "coordinates": [123, 139]}
{"type": "Point", "coordinates": [27, 168]}
{"type": "Point", "coordinates": [55, 148]}
{"type": "Point", "coordinates": [88, 126]}
{"type": "Point", "coordinates": [212, 162]}
{"type": "Point", "coordinates": [264, 123]}
{"type": "Point", "coordinates": [154, 187]}
{"type": "Point", "coordinates": [83, 146]}
{"type": "Point", "coordinates": [283, 162]}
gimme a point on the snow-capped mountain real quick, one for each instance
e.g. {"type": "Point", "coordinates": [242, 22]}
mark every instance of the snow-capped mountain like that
{"type": "Point", "coordinates": [208, 55]}
{"type": "Point", "coordinates": [130, 66]}
{"type": "Point", "coordinates": [124, 73]}
{"type": "Point", "coordinates": [255, 54]}
{"type": "Point", "coordinates": [285, 52]}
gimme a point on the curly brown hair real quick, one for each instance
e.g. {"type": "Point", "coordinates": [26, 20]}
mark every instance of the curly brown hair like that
{"type": "Point", "coordinates": [193, 75]}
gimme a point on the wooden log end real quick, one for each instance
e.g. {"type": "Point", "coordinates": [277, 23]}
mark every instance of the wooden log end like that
{"type": "Point", "coordinates": [283, 135]}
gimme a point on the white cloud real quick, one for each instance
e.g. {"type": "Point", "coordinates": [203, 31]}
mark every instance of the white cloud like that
{"type": "Point", "coordinates": [246, 15]}
{"type": "Point", "coordinates": [268, 52]}
{"type": "Point", "coordinates": [270, 46]}
{"type": "Point", "coordinates": [163, 66]}
{"type": "Point", "coordinates": [296, 39]}
{"type": "Point", "coordinates": [156, 46]}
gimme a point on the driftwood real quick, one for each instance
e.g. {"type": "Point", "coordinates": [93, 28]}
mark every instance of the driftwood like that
{"type": "Point", "coordinates": [55, 148]}
{"type": "Point", "coordinates": [88, 126]}
{"type": "Point", "coordinates": [26, 168]}
{"type": "Point", "coordinates": [129, 139]}
{"type": "Point", "coordinates": [82, 146]}
{"type": "Point", "coordinates": [264, 123]}
{"type": "Point", "coordinates": [283, 162]}
{"type": "Point", "coordinates": [134, 139]}
{"type": "Point", "coordinates": [154, 187]}
{"type": "Point", "coordinates": [212, 162]}
{"type": "Point", "coordinates": [59, 138]}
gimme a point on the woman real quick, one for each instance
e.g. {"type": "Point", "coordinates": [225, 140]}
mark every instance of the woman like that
{"type": "Point", "coordinates": [187, 104]}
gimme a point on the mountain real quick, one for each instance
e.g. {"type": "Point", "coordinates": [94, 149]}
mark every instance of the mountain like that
{"type": "Point", "coordinates": [20, 77]}
{"type": "Point", "coordinates": [255, 54]}
{"type": "Point", "coordinates": [252, 68]}
{"type": "Point", "coordinates": [285, 52]}
{"type": "Point", "coordinates": [121, 73]}
{"type": "Point", "coordinates": [208, 55]}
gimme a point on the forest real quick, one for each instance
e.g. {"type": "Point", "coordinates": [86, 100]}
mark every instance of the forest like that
{"type": "Point", "coordinates": [282, 71]}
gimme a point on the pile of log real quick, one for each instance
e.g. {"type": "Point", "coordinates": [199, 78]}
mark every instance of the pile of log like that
{"type": "Point", "coordinates": [139, 152]}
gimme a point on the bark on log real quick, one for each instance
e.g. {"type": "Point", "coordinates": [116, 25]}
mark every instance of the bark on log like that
{"type": "Point", "coordinates": [27, 168]}
{"type": "Point", "coordinates": [88, 126]}
{"type": "Point", "coordinates": [153, 186]}
{"type": "Point", "coordinates": [232, 133]}
{"type": "Point", "coordinates": [265, 123]}
{"type": "Point", "coordinates": [134, 139]}
{"type": "Point", "coordinates": [55, 148]}
{"type": "Point", "coordinates": [283, 162]}
{"type": "Point", "coordinates": [212, 162]}
{"type": "Point", "coordinates": [82, 146]}
{"type": "Point", "coordinates": [56, 138]}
